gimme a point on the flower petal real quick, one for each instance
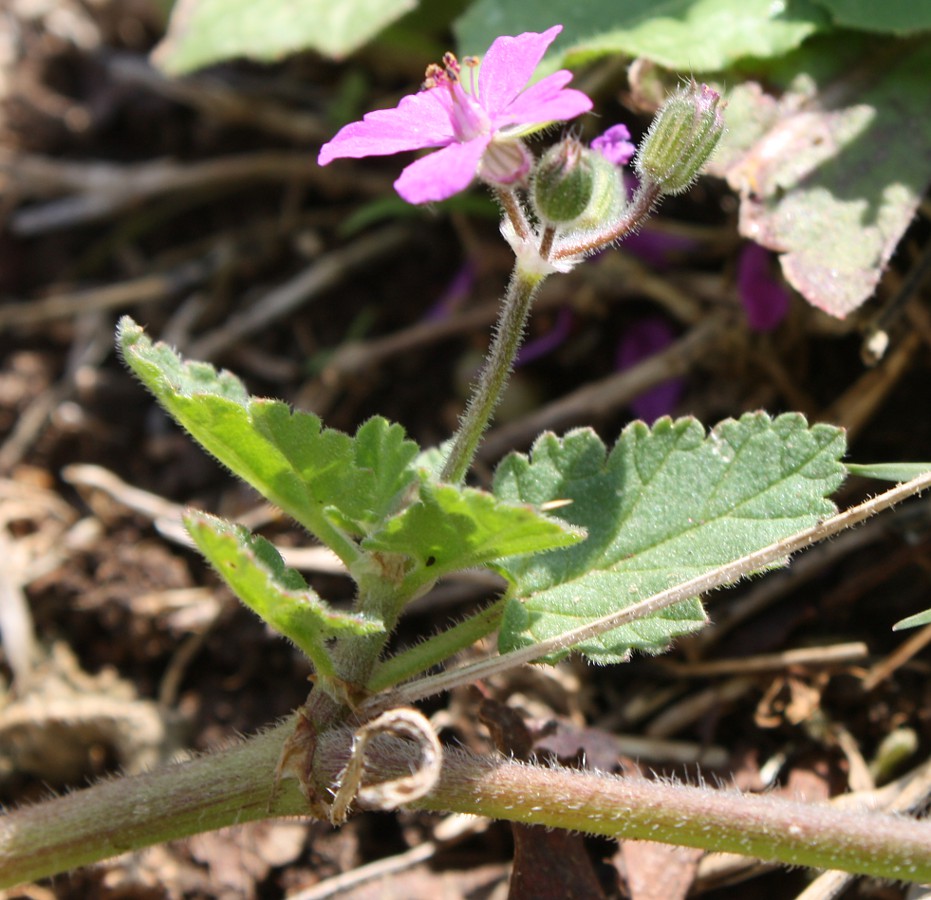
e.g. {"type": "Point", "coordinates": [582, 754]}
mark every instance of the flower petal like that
{"type": "Point", "coordinates": [442, 174]}
{"type": "Point", "coordinates": [641, 340]}
{"type": "Point", "coordinates": [508, 65]}
{"type": "Point", "coordinates": [615, 145]}
{"type": "Point", "coordinates": [419, 120]}
{"type": "Point", "coordinates": [546, 101]}
{"type": "Point", "coordinates": [765, 299]}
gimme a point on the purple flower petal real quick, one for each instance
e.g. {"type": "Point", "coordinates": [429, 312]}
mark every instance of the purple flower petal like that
{"type": "Point", "coordinates": [615, 145]}
{"type": "Point", "coordinates": [640, 341]}
{"type": "Point", "coordinates": [548, 342]}
{"type": "Point", "coordinates": [458, 289]}
{"type": "Point", "coordinates": [507, 66]}
{"type": "Point", "coordinates": [441, 174]}
{"type": "Point", "coordinates": [765, 299]}
{"type": "Point", "coordinates": [657, 248]}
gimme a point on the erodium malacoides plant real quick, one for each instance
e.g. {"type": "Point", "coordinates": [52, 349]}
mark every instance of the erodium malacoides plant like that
{"type": "Point", "coordinates": [604, 550]}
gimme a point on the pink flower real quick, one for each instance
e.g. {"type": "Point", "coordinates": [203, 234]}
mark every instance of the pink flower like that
{"type": "Point", "coordinates": [476, 129]}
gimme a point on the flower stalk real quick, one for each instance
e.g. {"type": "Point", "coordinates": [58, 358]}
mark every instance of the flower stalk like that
{"type": "Point", "coordinates": [496, 369]}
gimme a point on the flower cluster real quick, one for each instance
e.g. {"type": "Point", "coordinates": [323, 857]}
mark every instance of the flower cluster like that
{"type": "Point", "coordinates": [573, 201]}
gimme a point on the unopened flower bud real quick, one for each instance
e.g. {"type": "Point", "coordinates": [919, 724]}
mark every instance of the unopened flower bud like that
{"type": "Point", "coordinates": [576, 187]}
{"type": "Point", "coordinates": [562, 182]}
{"type": "Point", "coordinates": [681, 139]}
{"type": "Point", "coordinates": [505, 162]}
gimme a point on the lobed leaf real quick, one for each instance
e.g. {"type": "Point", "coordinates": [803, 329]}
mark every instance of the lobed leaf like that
{"type": "Point", "coordinates": [323, 478]}
{"type": "Point", "coordinates": [665, 505]}
{"type": "Point", "coordinates": [256, 573]}
{"type": "Point", "coordinates": [452, 528]}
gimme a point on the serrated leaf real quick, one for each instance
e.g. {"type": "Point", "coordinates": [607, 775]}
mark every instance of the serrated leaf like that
{"type": "Point", "coordinates": [319, 476]}
{"type": "Point", "coordinates": [256, 573]}
{"type": "Point", "coordinates": [688, 35]}
{"type": "Point", "coordinates": [203, 32]}
{"type": "Point", "coordinates": [450, 528]}
{"type": "Point", "coordinates": [898, 472]}
{"type": "Point", "coordinates": [667, 504]}
{"type": "Point", "coordinates": [831, 171]}
{"type": "Point", "coordinates": [922, 618]}
{"type": "Point", "coordinates": [900, 17]}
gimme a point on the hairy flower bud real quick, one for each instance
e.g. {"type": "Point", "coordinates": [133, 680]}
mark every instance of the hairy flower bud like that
{"type": "Point", "coordinates": [576, 187]}
{"type": "Point", "coordinates": [563, 182]}
{"type": "Point", "coordinates": [681, 139]}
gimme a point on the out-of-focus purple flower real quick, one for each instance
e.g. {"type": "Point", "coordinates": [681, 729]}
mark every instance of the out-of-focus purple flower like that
{"type": "Point", "coordinates": [548, 342]}
{"type": "Point", "coordinates": [764, 297]}
{"type": "Point", "coordinates": [477, 130]}
{"type": "Point", "coordinates": [615, 145]}
{"type": "Point", "coordinates": [459, 287]}
{"type": "Point", "coordinates": [640, 341]}
{"type": "Point", "coordinates": [656, 247]}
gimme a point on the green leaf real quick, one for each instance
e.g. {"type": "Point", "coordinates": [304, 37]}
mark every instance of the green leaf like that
{"type": "Point", "coordinates": [452, 528]}
{"type": "Point", "coordinates": [323, 478]}
{"type": "Point", "coordinates": [203, 32]}
{"type": "Point", "coordinates": [256, 573]}
{"type": "Point", "coordinates": [832, 165]}
{"type": "Point", "coordinates": [664, 506]}
{"type": "Point", "coordinates": [922, 618]}
{"type": "Point", "coordinates": [688, 35]}
{"type": "Point", "coordinates": [900, 17]}
{"type": "Point", "coordinates": [897, 472]}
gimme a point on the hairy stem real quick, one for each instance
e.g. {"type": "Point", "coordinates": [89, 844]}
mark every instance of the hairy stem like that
{"type": "Point", "coordinates": [224, 788]}
{"type": "Point", "coordinates": [235, 786]}
{"type": "Point", "coordinates": [634, 216]}
{"type": "Point", "coordinates": [495, 372]}
{"type": "Point", "coordinates": [435, 649]}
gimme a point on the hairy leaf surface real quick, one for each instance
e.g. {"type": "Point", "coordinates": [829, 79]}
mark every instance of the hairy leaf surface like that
{"type": "Point", "coordinates": [256, 573]}
{"type": "Point", "coordinates": [451, 528]}
{"type": "Point", "coordinates": [321, 477]}
{"type": "Point", "coordinates": [665, 505]}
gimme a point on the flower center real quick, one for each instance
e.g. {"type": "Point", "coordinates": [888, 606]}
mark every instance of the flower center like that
{"type": "Point", "coordinates": [468, 118]}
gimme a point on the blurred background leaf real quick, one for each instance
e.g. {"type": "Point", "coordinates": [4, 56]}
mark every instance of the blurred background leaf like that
{"type": "Point", "coordinates": [202, 32]}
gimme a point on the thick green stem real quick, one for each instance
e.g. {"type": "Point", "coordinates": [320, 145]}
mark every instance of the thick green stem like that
{"type": "Point", "coordinates": [236, 785]}
{"type": "Point", "coordinates": [224, 788]}
{"type": "Point", "coordinates": [495, 372]}
{"type": "Point", "coordinates": [809, 834]}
